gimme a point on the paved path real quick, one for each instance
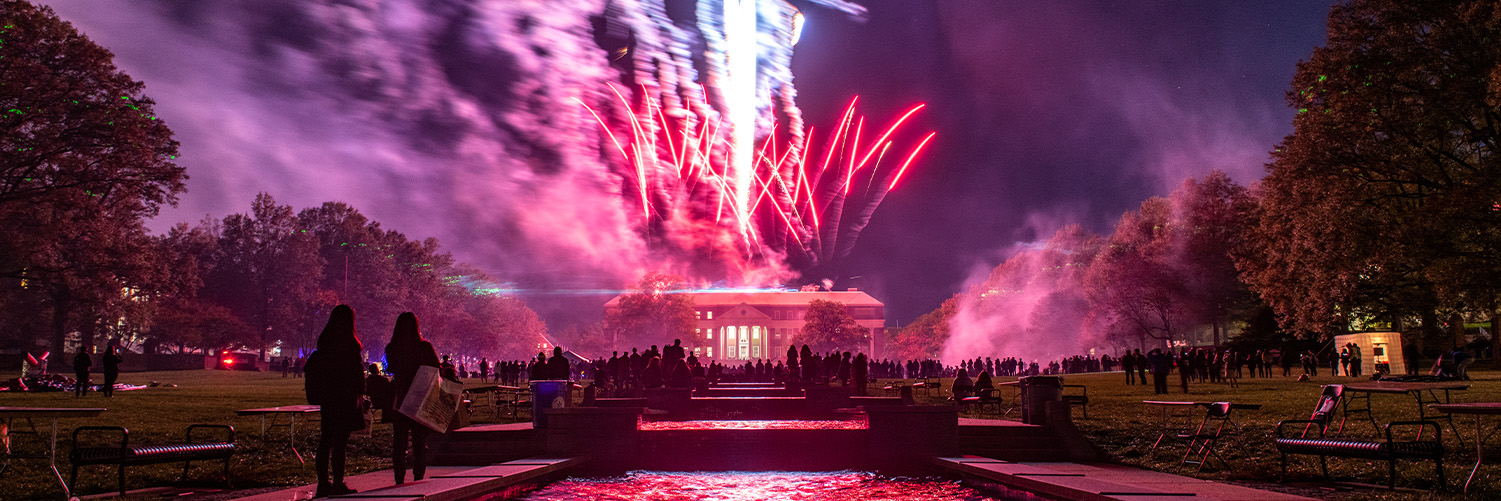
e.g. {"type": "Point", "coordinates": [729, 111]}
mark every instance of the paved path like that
{"type": "Point", "coordinates": [1101, 482]}
{"type": "Point", "coordinates": [443, 483]}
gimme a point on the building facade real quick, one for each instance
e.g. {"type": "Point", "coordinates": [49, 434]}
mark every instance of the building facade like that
{"type": "Point", "coordinates": [745, 326]}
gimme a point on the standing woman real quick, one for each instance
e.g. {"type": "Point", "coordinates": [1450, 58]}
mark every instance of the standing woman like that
{"type": "Point", "coordinates": [335, 380]}
{"type": "Point", "coordinates": [406, 352]}
{"type": "Point", "coordinates": [112, 361]}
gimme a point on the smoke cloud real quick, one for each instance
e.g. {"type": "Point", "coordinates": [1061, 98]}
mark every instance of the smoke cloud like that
{"type": "Point", "coordinates": [455, 118]}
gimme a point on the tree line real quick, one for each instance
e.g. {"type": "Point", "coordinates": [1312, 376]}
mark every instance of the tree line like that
{"type": "Point", "coordinates": [1382, 210]}
{"type": "Point", "coordinates": [84, 162]}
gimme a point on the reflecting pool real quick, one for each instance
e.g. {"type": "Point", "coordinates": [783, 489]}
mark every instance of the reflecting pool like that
{"type": "Point", "coordinates": [747, 486]}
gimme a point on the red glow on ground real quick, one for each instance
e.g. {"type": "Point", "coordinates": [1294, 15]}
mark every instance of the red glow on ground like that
{"type": "Point", "coordinates": [752, 425]}
{"type": "Point", "coordinates": [737, 486]}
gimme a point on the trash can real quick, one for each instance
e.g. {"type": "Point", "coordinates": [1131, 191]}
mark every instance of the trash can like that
{"type": "Point", "coordinates": [547, 394]}
{"type": "Point", "coordinates": [1036, 392]}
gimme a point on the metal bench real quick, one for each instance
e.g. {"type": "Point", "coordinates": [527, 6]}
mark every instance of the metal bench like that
{"type": "Point", "coordinates": [125, 454]}
{"type": "Point", "coordinates": [1389, 450]}
{"type": "Point", "coordinates": [986, 396]}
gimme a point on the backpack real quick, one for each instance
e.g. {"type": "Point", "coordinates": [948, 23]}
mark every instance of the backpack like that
{"type": "Point", "coordinates": [316, 382]}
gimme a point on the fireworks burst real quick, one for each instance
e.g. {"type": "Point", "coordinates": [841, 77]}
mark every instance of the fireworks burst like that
{"type": "Point", "coordinates": [789, 213]}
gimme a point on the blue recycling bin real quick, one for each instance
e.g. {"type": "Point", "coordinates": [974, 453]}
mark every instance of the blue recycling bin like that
{"type": "Point", "coordinates": [547, 394]}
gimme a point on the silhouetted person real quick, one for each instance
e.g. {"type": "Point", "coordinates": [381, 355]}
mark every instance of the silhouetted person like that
{"type": "Point", "coordinates": [378, 388]}
{"type": "Point", "coordinates": [963, 386]}
{"type": "Point", "coordinates": [983, 382]}
{"type": "Point", "coordinates": [674, 353]}
{"type": "Point", "coordinates": [1128, 363]}
{"type": "Point", "coordinates": [860, 372]}
{"type": "Point", "coordinates": [1141, 366]}
{"type": "Point", "coordinates": [680, 377]}
{"type": "Point", "coordinates": [557, 366]}
{"type": "Point", "coordinates": [335, 382]}
{"type": "Point", "coordinates": [446, 368]}
{"type": "Point", "coordinates": [112, 361]}
{"type": "Point", "coordinates": [484, 370]}
{"type": "Point", "coordinates": [651, 377]}
{"type": "Point", "coordinates": [81, 365]}
{"type": "Point", "coordinates": [1161, 364]}
{"type": "Point", "coordinates": [405, 353]}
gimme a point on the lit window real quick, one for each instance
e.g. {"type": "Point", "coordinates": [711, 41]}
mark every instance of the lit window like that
{"type": "Point", "coordinates": [709, 334]}
{"type": "Point", "coordinates": [710, 351]}
{"type": "Point", "coordinates": [709, 315]}
{"type": "Point", "coordinates": [698, 314]}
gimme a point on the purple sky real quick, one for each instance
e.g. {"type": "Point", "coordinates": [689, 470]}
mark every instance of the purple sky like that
{"type": "Point", "coordinates": [1048, 113]}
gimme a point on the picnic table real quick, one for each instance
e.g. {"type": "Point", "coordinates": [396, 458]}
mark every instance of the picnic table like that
{"type": "Point", "coordinates": [1173, 411]}
{"type": "Point", "coordinates": [1477, 409]}
{"type": "Point", "coordinates": [291, 411]}
{"type": "Point", "coordinates": [9, 414]}
{"type": "Point", "coordinates": [1422, 393]}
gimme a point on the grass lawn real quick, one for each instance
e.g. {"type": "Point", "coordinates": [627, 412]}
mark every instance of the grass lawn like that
{"type": "Point", "coordinates": [161, 414]}
{"type": "Point", "coordinates": [1124, 428]}
{"type": "Point", "coordinates": [1119, 424]}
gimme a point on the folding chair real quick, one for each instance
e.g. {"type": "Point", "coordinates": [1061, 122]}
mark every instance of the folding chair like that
{"type": "Point", "coordinates": [1323, 412]}
{"type": "Point", "coordinates": [1202, 441]}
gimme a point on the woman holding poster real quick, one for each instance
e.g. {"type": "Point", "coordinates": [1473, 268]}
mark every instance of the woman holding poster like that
{"type": "Point", "coordinates": [405, 354]}
{"type": "Point", "coordinates": [336, 383]}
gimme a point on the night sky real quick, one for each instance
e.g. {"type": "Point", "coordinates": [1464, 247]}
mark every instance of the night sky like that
{"type": "Point", "coordinates": [1048, 113]}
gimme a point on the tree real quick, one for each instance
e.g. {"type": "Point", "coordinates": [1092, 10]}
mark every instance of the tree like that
{"type": "Point", "coordinates": [1384, 199]}
{"type": "Point", "coordinates": [653, 313]}
{"type": "Point", "coordinates": [83, 159]}
{"type": "Point", "coordinates": [924, 337]}
{"type": "Point", "coordinates": [828, 326]}
{"type": "Point", "coordinates": [1137, 280]}
{"type": "Point", "coordinates": [267, 273]}
{"type": "Point", "coordinates": [1214, 215]}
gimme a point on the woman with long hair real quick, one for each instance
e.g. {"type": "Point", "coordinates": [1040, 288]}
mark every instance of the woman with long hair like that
{"type": "Point", "coordinates": [335, 381]}
{"type": "Point", "coordinates": [406, 352]}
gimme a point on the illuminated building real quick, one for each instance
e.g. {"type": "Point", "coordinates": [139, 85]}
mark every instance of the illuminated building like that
{"type": "Point", "coordinates": [740, 326]}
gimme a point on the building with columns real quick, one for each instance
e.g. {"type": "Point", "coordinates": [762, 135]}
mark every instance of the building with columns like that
{"type": "Point", "coordinates": [740, 326]}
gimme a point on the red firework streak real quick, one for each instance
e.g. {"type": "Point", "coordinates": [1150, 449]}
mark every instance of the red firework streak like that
{"type": "Point", "coordinates": [678, 167]}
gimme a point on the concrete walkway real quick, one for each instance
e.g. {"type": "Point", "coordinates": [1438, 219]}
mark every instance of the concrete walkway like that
{"type": "Point", "coordinates": [443, 483]}
{"type": "Point", "coordinates": [1101, 482]}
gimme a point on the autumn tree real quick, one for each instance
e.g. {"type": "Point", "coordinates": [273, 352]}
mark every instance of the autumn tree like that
{"type": "Point", "coordinates": [267, 273]}
{"type": "Point", "coordinates": [828, 326]}
{"type": "Point", "coordinates": [924, 337]}
{"type": "Point", "coordinates": [1383, 201]}
{"type": "Point", "coordinates": [1213, 215]}
{"type": "Point", "coordinates": [83, 160]}
{"type": "Point", "coordinates": [654, 312]}
{"type": "Point", "coordinates": [1137, 278]}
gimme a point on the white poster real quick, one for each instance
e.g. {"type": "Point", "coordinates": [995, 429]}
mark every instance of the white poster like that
{"type": "Point", "coordinates": [432, 400]}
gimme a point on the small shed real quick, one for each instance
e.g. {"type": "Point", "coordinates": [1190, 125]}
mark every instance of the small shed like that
{"type": "Point", "coordinates": [1379, 351]}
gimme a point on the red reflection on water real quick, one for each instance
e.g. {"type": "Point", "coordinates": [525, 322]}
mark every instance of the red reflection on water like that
{"type": "Point", "coordinates": [767, 424]}
{"type": "Point", "coordinates": [745, 486]}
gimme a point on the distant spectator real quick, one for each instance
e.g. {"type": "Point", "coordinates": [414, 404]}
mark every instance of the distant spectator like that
{"type": "Point", "coordinates": [859, 371]}
{"type": "Point", "coordinates": [557, 366]}
{"type": "Point", "coordinates": [651, 377]}
{"type": "Point", "coordinates": [983, 382]}
{"type": "Point", "coordinates": [1161, 364]}
{"type": "Point", "coordinates": [963, 386]}
{"type": "Point", "coordinates": [81, 365]}
{"type": "Point", "coordinates": [112, 361]}
{"type": "Point", "coordinates": [335, 382]}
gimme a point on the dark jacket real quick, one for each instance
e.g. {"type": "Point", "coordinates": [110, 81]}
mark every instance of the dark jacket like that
{"type": "Point", "coordinates": [404, 361]}
{"type": "Point", "coordinates": [335, 380]}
